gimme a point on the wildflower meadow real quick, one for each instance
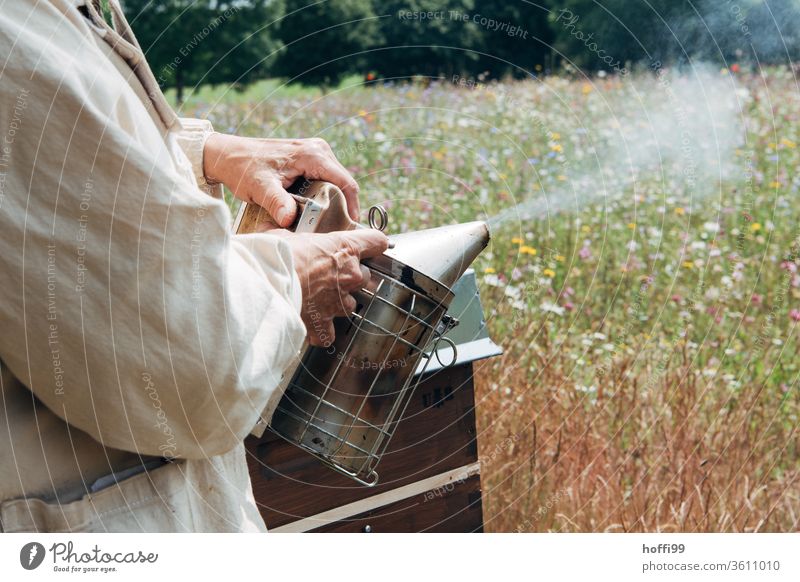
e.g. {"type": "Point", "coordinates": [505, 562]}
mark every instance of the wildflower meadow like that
{"type": "Point", "coordinates": [642, 277]}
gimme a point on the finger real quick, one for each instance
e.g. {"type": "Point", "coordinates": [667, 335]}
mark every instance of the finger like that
{"type": "Point", "coordinates": [365, 242]}
{"type": "Point", "coordinates": [322, 334]}
{"type": "Point", "coordinates": [366, 275]}
{"type": "Point", "coordinates": [330, 170]}
{"type": "Point", "coordinates": [277, 201]}
{"type": "Point", "coordinates": [348, 305]}
{"type": "Point", "coordinates": [348, 270]}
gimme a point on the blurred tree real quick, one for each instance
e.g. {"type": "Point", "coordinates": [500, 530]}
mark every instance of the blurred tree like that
{"type": "Point", "coordinates": [323, 40]}
{"type": "Point", "coordinates": [609, 35]}
{"type": "Point", "coordinates": [772, 27]}
{"type": "Point", "coordinates": [427, 37]}
{"type": "Point", "coordinates": [189, 42]}
{"type": "Point", "coordinates": [523, 36]}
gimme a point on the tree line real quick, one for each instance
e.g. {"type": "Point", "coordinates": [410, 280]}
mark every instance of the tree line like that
{"type": "Point", "coordinates": [317, 42]}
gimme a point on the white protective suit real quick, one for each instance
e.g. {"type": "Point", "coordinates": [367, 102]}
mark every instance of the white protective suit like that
{"type": "Point", "coordinates": [135, 326]}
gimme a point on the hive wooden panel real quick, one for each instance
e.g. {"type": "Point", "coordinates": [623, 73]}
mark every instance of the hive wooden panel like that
{"type": "Point", "coordinates": [436, 435]}
{"type": "Point", "coordinates": [444, 510]}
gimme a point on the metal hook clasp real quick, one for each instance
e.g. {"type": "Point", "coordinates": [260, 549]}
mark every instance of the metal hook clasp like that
{"type": "Point", "coordinates": [378, 218]}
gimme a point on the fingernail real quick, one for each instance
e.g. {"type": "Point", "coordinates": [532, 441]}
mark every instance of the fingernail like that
{"type": "Point", "coordinates": [282, 216]}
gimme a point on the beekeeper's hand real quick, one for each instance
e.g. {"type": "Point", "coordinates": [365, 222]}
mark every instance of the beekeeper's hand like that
{"type": "Point", "coordinates": [329, 267]}
{"type": "Point", "coordinates": [260, 170]}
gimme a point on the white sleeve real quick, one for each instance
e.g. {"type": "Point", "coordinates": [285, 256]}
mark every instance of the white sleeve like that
{"type": "Point", "coordinates": [129, 309]}
{"type": "Point", "coordinates": [192, 140]}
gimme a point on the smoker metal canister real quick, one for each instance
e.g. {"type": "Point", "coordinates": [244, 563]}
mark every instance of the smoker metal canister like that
{"type": "Point", "coordinates": [342, 403]}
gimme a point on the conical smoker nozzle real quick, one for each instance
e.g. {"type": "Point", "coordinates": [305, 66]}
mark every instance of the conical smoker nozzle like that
{"type": "Point", "coordinates": [442, 253]}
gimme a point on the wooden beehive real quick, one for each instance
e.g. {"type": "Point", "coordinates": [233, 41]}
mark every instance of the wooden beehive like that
{"type": "Point", "coordinates": [429, 475]}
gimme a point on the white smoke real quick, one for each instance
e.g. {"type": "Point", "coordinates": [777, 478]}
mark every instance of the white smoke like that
{"type": "Point", "coordinates": [678, 127]}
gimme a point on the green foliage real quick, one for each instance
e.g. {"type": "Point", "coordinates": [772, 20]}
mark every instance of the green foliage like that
{"type": "Point", "coordinates": [325, 40]}
{"type": "Point", "coordinates": [189, 42]}
{"type": "Point", "coordinates": [612, 33]}
{"type": "Point", "coordinates": [522, 40]}
{"type": "Point", "coordinates": [235, 41]}
{"type": "Point", "coordinates": [430, 45]}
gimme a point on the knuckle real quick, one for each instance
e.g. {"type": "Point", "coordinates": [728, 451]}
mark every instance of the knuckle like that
{"type": "Point", "coordinates": [348, 304]}
{"type": "Point", "coordinates": [318, 143]}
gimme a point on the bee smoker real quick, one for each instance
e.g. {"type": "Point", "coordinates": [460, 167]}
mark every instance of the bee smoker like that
{"type": "Point", "coordinates": [342, 403]}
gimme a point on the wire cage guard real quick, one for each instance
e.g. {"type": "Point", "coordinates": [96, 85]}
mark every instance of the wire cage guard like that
{"type": "Point", "coordinates": [344, 402]}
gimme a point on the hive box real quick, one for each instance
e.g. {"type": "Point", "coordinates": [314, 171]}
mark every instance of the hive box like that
{"type": "Point", "coordinates": [429, 476]}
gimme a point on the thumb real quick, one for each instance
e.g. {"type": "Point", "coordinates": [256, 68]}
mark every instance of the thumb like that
{"type": "Point", "coordinates": [277, 201]}
{"type": "Point", "coordinates": [366, 242]}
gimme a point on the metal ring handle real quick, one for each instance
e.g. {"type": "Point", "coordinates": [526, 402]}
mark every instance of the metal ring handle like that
{"type": "Point", "coordinates": [452, 347]}
{"type": "Point", "coordinates": [377, 217]}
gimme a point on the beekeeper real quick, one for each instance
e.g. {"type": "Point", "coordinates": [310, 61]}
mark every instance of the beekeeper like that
{"type": "Point", "coordinates": [140, 339]}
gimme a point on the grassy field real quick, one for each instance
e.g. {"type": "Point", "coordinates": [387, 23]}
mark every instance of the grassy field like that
{"type": "Point", "coordinates": [642, 279]}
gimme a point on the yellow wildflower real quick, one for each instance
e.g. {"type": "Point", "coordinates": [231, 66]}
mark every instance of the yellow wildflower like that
{"type": "Point", "coordinates": [549, 273]}
{"type": "Point", "coordinates": [586, 228]}
{"type": "Point", "coordinates": [560, 258]}
{"type": "Point", "coordinates": [526, 250]}
{"type": "Point", "coordinates": [556, 147]}
{"type": "Point", "coordinates": [788, 143]}
{"type": "Point", "coordinates": [680, 211]}
{"type": "Point", "coordinates": [489, 270]}
{"type": "Point", "coordinates": [631, 225]}
{"type": "Point", "coordinates": [755, 227]}
{"type": "Point", "coordinates": [688, 264]}
{"type": "Point", "coordinates": [555, 136]}
{"type": "Point", "coordinates": [517, 240]}
{"type": "Point", "coordinates": [774, 184]}
{"type": "Point", "coordinates": [587, 88]}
